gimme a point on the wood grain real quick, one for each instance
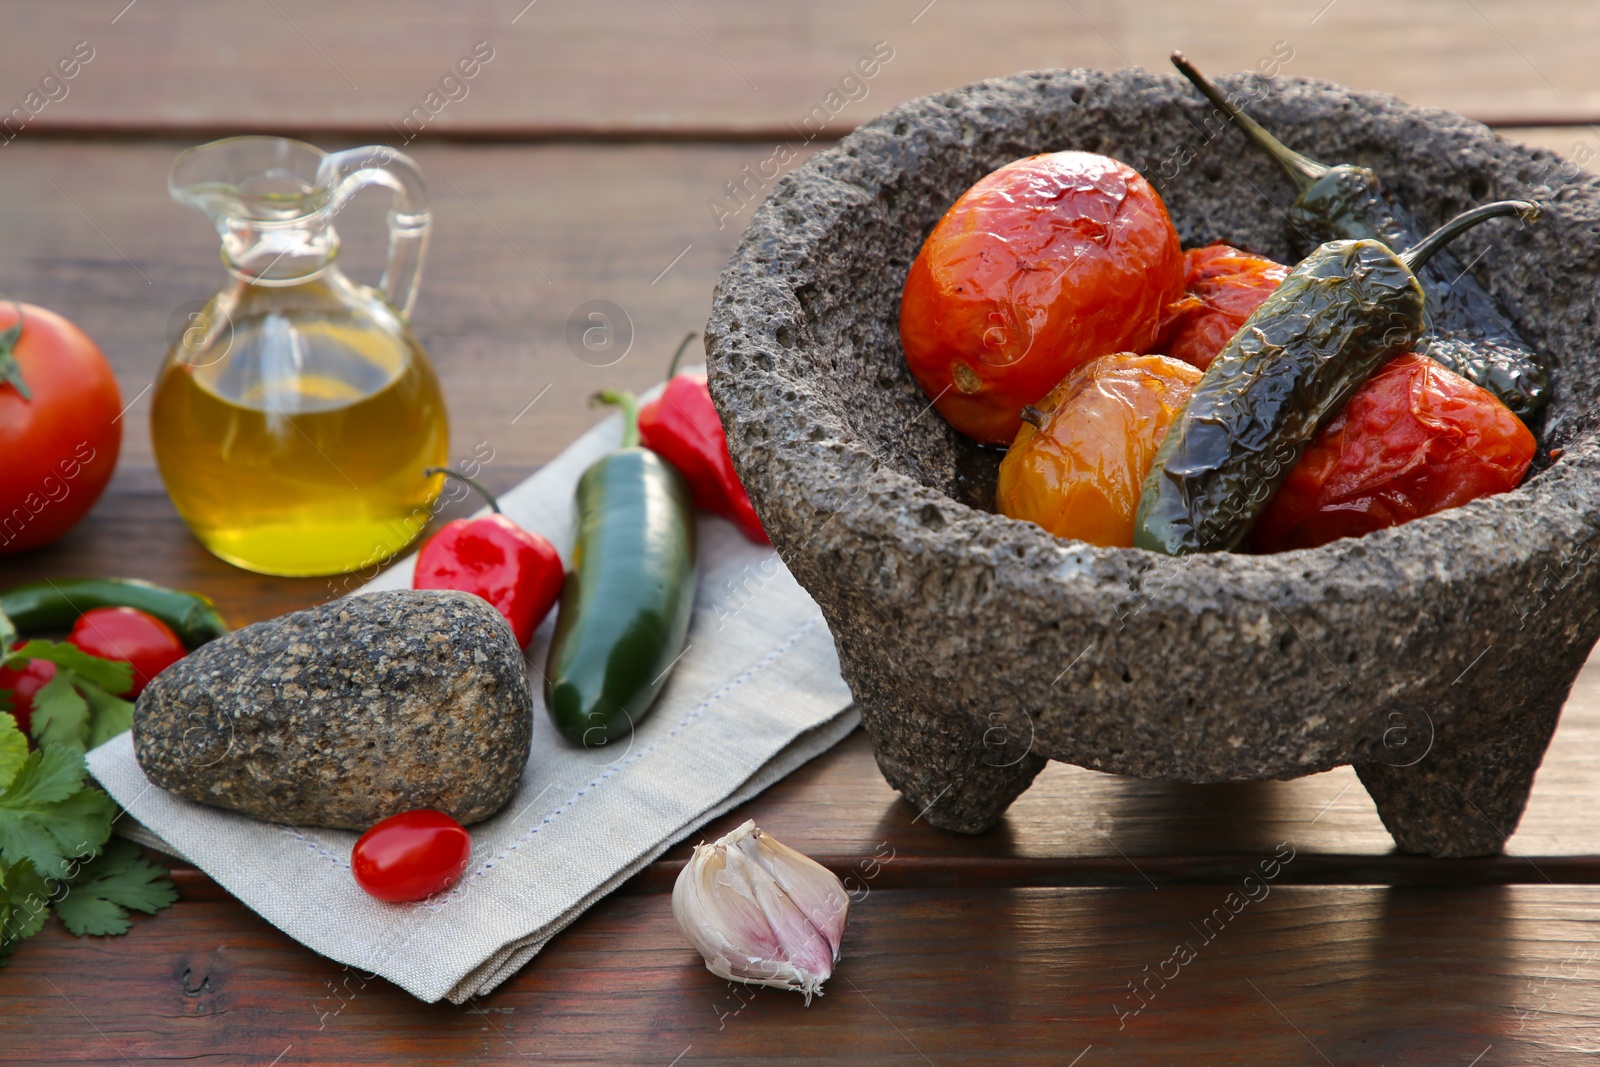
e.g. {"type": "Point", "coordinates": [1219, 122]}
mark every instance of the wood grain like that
{"type": "Point", "coordinates": [729, 68]}
{"type": "Point", "coordinates": [997, 975]}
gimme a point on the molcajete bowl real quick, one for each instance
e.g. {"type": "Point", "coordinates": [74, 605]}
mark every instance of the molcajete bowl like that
{"type": "Point", "coordinates": [1434, 656]}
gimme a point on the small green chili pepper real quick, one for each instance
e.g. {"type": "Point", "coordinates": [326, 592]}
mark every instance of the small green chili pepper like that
{"type": "Point", "coordinates": [56, 605]}
{"type": "Point", "coordinates": [1465, 331]}
{"type": "Point", "coordinates": [627, 600]}
{"type": "Point", "coordinates": [1342, 313]}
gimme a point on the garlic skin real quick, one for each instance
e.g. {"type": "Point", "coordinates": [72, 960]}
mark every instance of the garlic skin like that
{"type": "Point", "coordinates": [760, 912]}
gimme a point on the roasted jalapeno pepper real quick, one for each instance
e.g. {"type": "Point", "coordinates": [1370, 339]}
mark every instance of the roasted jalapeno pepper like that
{"type": "Point", "coordinates": [56, 605]}
{"type": "Point", "coordinates": [1465, 330]}
{"type": "Point", "coordinates": [1343, 312]}
{"type": "Point", "coordinates": [626, 603]}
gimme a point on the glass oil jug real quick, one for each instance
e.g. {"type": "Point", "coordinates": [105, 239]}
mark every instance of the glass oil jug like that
{"type": "Point", "coordinates": [294, 416]}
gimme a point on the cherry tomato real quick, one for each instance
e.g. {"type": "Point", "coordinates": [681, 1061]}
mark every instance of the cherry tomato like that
{"type": "Point", "coordinates": [411, 855]}
{"type": "Point", "coordinates": [1043, 265]}
{"type": "Point", "coordinates": [1415, 439]}
{"type": "Point", "coordinates": [60, 443]}
{"type": "Point", "coordinates": [24, 682]}
{"type": "Point", "coordinates": [1222, 287]}
{"type": "Point", "coordinates": [142, 641]}
{"type": "Point", "coordinates": [1079, 474]}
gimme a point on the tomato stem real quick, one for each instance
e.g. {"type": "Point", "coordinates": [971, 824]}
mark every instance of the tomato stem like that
{"type": "Point", "coordinates": [10, 369]}
{"type": "Point", "coordinates": [1032, 416]}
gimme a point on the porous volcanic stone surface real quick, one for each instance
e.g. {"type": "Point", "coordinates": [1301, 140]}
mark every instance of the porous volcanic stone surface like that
{"type": "Point", "coordinates": [347, 713]}
{"type": "Point", "coordinates": [1435, 656]}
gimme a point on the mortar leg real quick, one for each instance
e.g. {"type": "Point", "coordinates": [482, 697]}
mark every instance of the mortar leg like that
{"type": "Point", "coordinates": [961, 774]}
{"type": "Point", "coordinates": [1466, 795]}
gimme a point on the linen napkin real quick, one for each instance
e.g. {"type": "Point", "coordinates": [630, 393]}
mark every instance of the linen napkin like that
{"type": "Point", "coordinates": [756, 694]}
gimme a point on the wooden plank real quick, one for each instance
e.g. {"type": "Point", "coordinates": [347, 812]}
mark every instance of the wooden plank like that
{"type": "Point", "coordinates": [1019, 976]}
{"type": "Point", "coordinates": [722, 67]}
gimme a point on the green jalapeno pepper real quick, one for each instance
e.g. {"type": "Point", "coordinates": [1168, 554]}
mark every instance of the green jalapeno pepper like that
{"type": "Point", "coordinates": [1343, 312]}
{"type": "Point", "coordinates": [1465, 329]}
{"type": "Point", "coordinates": [626, 602]}
{"type": "Point", "coordinates": [56, 605]}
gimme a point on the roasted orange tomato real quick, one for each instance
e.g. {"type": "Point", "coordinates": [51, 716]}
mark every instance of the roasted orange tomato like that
{"type": "Point", "coordinates": [1082, 453]}
{"type": "Point", "coordinates": [1222, 287]}
{"type": "Point", "coordinates": [1415, 439]}
{"type": "Point", "coordinates": [1043, 265]}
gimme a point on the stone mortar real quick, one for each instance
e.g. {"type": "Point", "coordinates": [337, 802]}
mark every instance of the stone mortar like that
{"type": "Point", "coordinates": [980, 646]}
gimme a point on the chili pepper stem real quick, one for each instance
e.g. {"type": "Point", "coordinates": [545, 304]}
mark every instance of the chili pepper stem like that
{"type": "Point", "coordinates": [630, 413]}
{"type": "Point", "coordinates": [1302, 169]}
{"type": "Point", "coordinates": [672, 368]}
{"type": "Point", "coordinates": [1032, 416]}
{"type": "Point", "coordinates": [1424, 250]}
{"type": "Point", "coordinates": [494, 504]}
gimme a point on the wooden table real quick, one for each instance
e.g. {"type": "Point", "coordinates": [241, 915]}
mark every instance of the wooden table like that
{"type": "Point", "coordinates": [581, 165]}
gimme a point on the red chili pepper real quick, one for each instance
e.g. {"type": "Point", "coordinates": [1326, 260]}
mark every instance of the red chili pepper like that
{"type": "Point", "coordinates": [142, 641]}
{"type": "Point", "coordinates": [520, 573]}
{"type": "Point", "coordinates": [683, 428]}
{"type": "Point", "coordinates": [1413, 440]}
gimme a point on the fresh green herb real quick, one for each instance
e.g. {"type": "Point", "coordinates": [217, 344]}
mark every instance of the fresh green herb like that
{"type": "Point", "coordinates": [54, 824]}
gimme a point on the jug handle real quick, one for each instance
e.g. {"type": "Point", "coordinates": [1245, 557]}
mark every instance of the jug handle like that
{"type": "Point", "coordinates": [347, 173]}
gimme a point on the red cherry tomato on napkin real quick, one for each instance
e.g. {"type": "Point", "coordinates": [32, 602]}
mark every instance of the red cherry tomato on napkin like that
{"type": "Point", "coordinates": [24, 682]}
{"type": "Point", "coordinates": [142, 641]}
{"type": "Point", "coordinates": [411, 855]}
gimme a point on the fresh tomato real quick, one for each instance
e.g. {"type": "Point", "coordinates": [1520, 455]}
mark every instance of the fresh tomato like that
{"type": "Point", "coordinates": [1222, 287]}
{"type": "Point", "coordinates": [1043, 265]}
{"type": "Point", "coordinates": [411, 855]}
{"type": "Point", "coordinates": [59, 426]}
{"type": "Point", "coordinates": [1415, 439]}
{"type": "Point", "coordinates": [24, 682]}
{"type": "Point", "coordinates": [1078, 472]}
{"type": "Point", "coordinates": [142, 641]}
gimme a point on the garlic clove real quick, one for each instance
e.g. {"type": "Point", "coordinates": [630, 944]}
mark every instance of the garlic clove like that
{"type": "Point", "coordinates": [761, 912]}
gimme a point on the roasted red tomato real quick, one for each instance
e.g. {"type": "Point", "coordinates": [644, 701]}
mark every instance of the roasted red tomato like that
{"type": "Point", "coordinates": [59, 428]}
{"type": "Point", "coordinates": [1222, 287]}
{"type": "Point", "coordinates": [1078, 472]}
{"type": "Point", "coordinates": [24, 682]}
{"type": "Point", "coordinates": [411, 855]}
{"type": "Point", "coordinates": [1415, 439]}
{"type": "Point", "coordinates": [1043, 265]}
{"type": "Point", "coordinates": [142, 641]}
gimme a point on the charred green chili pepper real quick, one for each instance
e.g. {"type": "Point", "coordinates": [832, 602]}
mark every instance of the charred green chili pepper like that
{"type": "Point", "coordinates": [40, 607]}
{"type": "Point", "coordinates": [1343, 312]}
{"type": "Point", "coordinates": [626, 602]}
{"type": "Point", "coordinates": [1466, 331]}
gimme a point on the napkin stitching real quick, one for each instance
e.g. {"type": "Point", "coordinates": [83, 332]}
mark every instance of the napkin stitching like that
{"type": "Point", "coordinates": [314, 847]}
{"type": "Point", "coordinates": [727, 687]}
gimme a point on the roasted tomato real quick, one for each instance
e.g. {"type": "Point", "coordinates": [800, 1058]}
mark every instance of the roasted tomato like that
{"type": "Point", "coordinates": [1043, 265]}
{"type": "Point", "coordinates": [1415, 439]}
{"type": "Point", "coordinates": [1222, 287]}
{"type": "Point", "coordinates": [1077, 472]}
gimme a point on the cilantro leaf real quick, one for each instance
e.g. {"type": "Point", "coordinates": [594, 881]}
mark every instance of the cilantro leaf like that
{"type": "Point", "coordinates": [47, 816]}
{"type": "Point", "coordinates": [8, 634]}
{"type": "Point", "coordinates": [113, 676]}
{"type": "Point", "coordinates": [24, 905]}
{"type": "Point", "coordinates": [108, 715]}
{"type": "Point", "coordinates": [13, 749]}
{"type": "Point", "coordinates": [60, 714]}
{"type": "Point", "coordinates": [98, 898]}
